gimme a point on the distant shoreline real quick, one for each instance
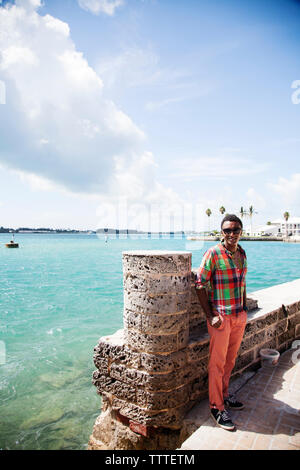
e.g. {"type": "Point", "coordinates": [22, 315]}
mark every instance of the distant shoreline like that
{"type": "Point", "coordinates": [267, 239]}
{"type": "Point", "coordinates": [249, 239]}
{"type": "Point", "coordinates": [115, 234]}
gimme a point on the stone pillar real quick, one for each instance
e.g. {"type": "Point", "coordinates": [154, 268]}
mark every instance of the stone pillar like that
{"type": "Point", "coordinates": [142, 372]}
{"type": "Point", "coordinates": [157, 296]}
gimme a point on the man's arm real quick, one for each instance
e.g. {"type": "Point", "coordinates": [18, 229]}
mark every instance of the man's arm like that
{"type": "Point", "coordinates": [245, 299]}
{"type": "Point", "coordinates": [203, 278]}
{"type": "Point", "coordinates": [213, 319]}
{"type": "Point", "coordinates": [245, 291]}
{"type": "Point", "coordinates": [203, 299]}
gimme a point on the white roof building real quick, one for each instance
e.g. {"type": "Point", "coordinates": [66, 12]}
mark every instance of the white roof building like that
{"type": "Point", "coordinates": [261, 230]}
{"type": "Point", "coordinates": [278, 227]}
{"type": "Point", "coordinates": [291, 220]}
{"type": "Point", "coordinates": [290, 227]}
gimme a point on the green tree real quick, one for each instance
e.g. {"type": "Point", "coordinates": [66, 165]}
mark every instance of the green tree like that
{"type": "Point", "coordinates": [286, 216]}
{"type": "Point", "coordinates": [251, 212]}
{"type": "Point", "coordinates": [208, 213]}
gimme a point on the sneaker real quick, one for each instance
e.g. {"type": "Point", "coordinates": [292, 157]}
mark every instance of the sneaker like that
{"type": "Point", "coordinates": [232, 402]}
{"type": "Point", "coordinates": [222, 419]}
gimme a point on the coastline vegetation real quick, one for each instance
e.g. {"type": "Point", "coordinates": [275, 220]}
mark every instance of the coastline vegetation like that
{"type": "Point", "coordinates": [107, 231]}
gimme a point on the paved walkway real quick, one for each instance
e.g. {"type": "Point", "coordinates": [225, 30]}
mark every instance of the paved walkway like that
{"type": "Point", "coordinates": [270, 419]}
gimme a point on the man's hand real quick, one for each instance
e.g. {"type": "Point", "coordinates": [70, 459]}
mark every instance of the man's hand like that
{"type": "Point", "coordinates": [213, 317]}
{"type": "Point", "coordinates": [215, 320]}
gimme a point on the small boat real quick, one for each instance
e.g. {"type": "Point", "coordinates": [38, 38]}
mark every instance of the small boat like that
{"type": "Point", "coordinates": [12, 244]}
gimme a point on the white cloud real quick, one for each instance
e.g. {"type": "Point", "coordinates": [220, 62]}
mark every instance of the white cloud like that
{"type": "Point", "coordinates": [255, 199]}
{"type": "Point", "coordinates": [100, 6]}
{"type": "Point", "coordinates": [133, 67]}
{"type": "Point", "coordinates": [29, 4]}
{"type": "Point", "coordinates": [36, 182]}
{"type": "Point", "coordinates": [288, 189]}
{"type": "Point", "coordinates": [230, 150]}
{"type": "Point", "coordinates": [14, 55]}
{"type": "Point", "coordinates": [287, 141]}
{"type": "Point", "coordinates": [141, 69]}
{"type": "Point", "coordinates": [57, 122]}
{"type": "Point", "coordinates": [137, 196]}
{"type": "Point", "coordinates": [56, 25]}
{"type": "Point", "coordinates": [221, 167]}
{"type": "Point", "coordinates": [60, 132]}
{"type": "Point", "coordinates": [154, 105]}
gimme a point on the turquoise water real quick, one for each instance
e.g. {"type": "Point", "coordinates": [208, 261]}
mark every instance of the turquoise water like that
{"type": "Point", "coordinates": [61, 293]}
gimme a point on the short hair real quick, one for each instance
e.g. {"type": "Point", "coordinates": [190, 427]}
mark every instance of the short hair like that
{"type": "Point", "coordinates": [231, 218]}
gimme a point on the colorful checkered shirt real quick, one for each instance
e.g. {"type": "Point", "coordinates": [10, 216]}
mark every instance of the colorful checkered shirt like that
{"type": "Point", "coordinates": [225, 283]}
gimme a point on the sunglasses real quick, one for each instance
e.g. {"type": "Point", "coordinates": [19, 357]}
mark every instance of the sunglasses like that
{"type": "Point", "coordinates": [227, 231]}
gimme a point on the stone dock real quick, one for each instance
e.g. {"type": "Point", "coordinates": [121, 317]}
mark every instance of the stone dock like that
{"type": "Point", "coordinates": [152, 374]}
{"type": "Point", "coordinates": [270, 419]}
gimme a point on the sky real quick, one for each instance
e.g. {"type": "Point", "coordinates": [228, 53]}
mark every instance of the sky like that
{"type": "Point", "coordinates": [144, 113]}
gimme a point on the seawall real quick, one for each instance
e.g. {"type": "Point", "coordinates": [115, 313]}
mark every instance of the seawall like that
{"type": "Point", "coordinates": [154, 370]}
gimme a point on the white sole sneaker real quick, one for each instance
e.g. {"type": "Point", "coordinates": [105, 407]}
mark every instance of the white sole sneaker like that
{"type": "Point", "coordinates": [227, 427]}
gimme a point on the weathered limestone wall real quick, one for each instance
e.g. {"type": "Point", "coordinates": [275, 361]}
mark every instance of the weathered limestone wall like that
{"type": "Point", "coordinates": [154, 370]}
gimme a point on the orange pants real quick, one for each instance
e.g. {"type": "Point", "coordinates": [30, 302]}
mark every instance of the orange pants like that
{"type": "Point", "coordinates": [223, 348]}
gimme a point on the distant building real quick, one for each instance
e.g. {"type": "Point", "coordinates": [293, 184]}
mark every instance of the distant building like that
{"type": "Point", "coordinates": [290, 227]}
{"type": "Point", "coordinates": [262, 230]}
{"type": "Point", "coordinates": [277, 228]}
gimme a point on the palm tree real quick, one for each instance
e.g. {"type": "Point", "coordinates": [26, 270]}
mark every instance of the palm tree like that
{"type": "Point", "coordinates": [208, 213]}
{"type": "Point", "coordinates": [286, 216]}
{"type": "Point", "coordinates": [242, 212]}
{"type": "Point", "coordinates": [251, 212]}
{"type": "Point", "coordinates": [222, 210]}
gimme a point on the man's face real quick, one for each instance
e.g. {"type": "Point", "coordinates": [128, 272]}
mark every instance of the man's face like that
{"type": "Point", "coordinates": [231, 232]}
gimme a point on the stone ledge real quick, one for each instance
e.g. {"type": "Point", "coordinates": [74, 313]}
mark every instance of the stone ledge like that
{"type": "Point", "coordinates": [170, 418]}
{"type": "Point", "coordinates": [120, 354]}
{"type": "Point", "coordinates": [158, 284]}
{"type": "Point", "coordinates": [159, 304]}
{"type": "Point", "coordinates": [156, 324]}
{"type": "Point", "coordinates": [158, 388]}
{"type": "Point", "coordinates": [156, 262]}
{"type": "Point", "coordinates": [268, 299]}
{"type": "Point", "coordinates": [157, 344]}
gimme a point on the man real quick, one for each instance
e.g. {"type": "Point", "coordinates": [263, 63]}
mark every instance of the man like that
{"type": "Point", "coordinates": [221, 291]}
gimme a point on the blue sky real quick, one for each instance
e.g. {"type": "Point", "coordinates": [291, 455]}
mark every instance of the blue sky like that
{"type": "Point", "coordinates": [178, 105]}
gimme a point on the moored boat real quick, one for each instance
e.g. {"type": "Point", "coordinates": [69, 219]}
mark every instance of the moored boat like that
{"type": "Point", "coordinates": [12, 244]}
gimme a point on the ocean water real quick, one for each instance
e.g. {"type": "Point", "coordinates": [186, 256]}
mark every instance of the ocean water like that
{"type": "Point", "coordinates": [59, 294]}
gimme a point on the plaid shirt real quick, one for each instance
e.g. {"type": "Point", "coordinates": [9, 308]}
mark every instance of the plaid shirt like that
{"type": "Point", "coordinates": [223, 280]}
